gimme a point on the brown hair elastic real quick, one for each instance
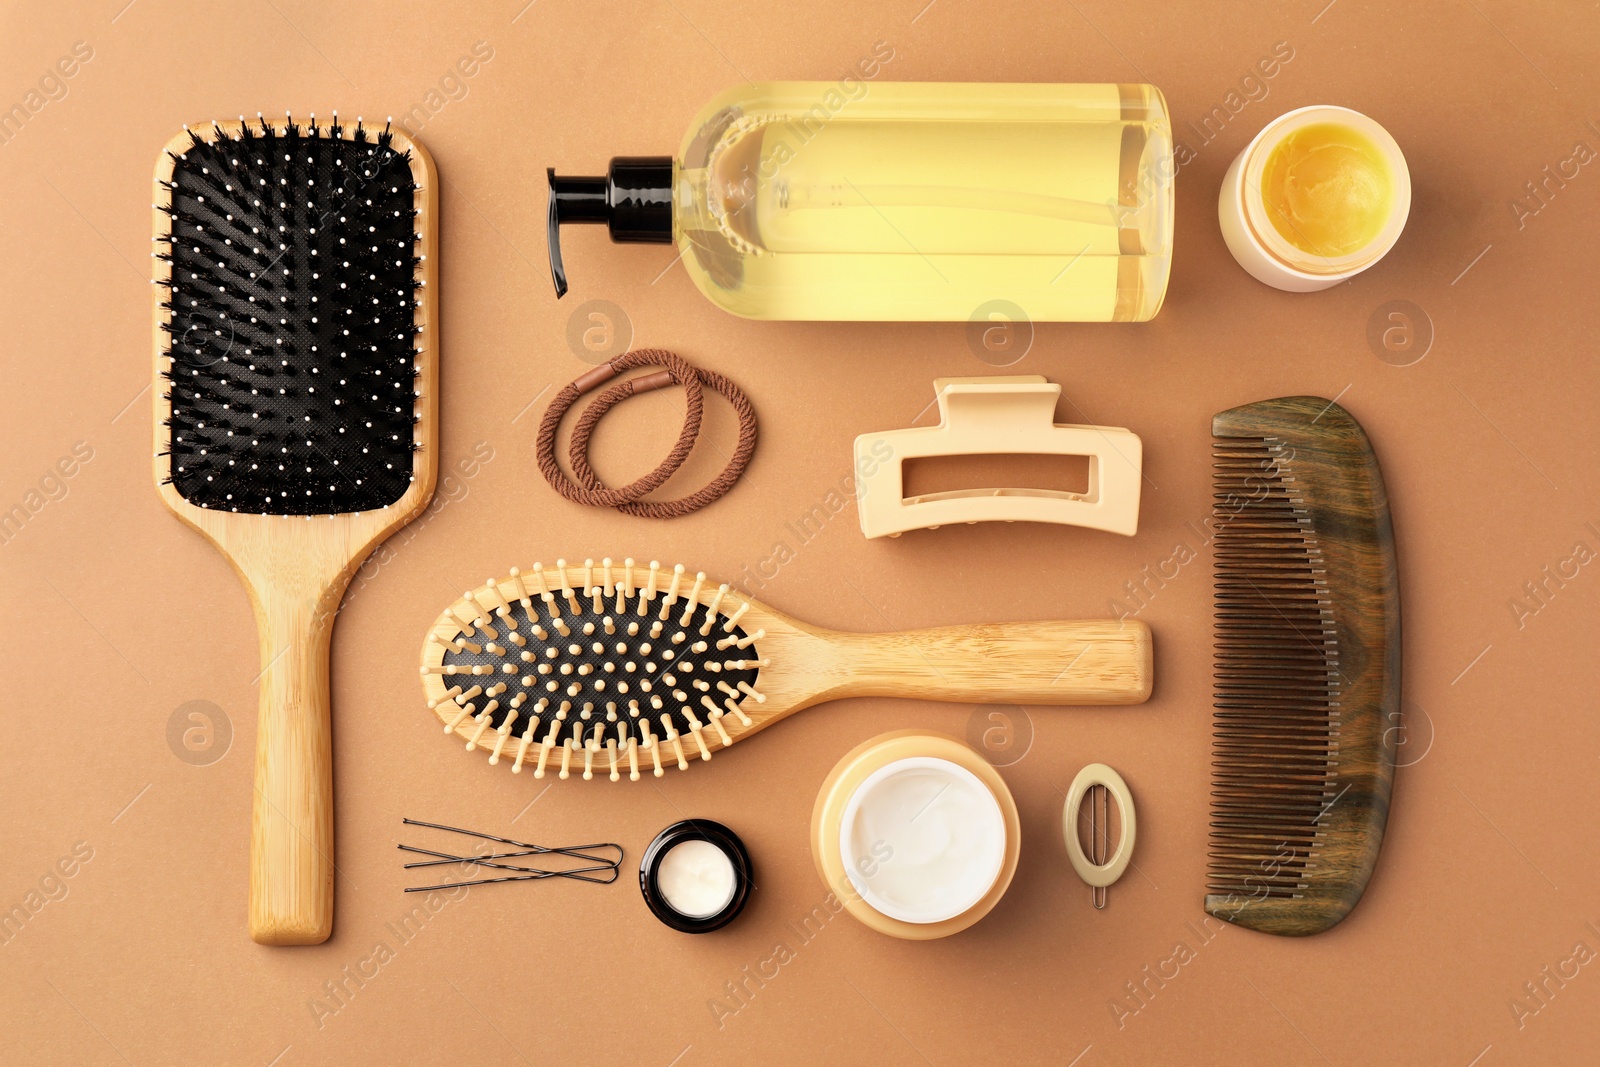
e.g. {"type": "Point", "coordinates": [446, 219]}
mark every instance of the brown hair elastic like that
{"type": "Point", "coordinates": [588, 489]}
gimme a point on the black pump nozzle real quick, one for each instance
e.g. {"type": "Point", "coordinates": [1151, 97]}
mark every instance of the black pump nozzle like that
{"type": "Point", "coordinates": [634, 200]}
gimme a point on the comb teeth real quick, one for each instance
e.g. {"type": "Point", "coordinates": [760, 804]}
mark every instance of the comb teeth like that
{"type": "Point", "coordinates": [291, 285]}
{"type": "Point", "coordinates": [1276, 726]}
{"type": "Point", "coordinates": [624, 673]}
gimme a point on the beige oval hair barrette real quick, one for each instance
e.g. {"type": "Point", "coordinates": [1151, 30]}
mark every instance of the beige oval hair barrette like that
{"type": "Point", "coordinates": [1101, 783]}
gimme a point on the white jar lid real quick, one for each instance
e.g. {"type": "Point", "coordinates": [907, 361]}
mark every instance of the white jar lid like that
{"type": "Point", "coordinates": [1256, 243]}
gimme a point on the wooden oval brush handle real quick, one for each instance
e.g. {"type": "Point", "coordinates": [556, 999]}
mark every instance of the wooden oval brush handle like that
{"type": "Point", "coordinates": [1091, 662]}
{"type": "Point", "coordinates": [291, 837]}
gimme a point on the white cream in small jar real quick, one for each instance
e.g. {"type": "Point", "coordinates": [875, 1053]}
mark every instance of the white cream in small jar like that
{"type": "Point", "coordinates": [695, 876]}
{"type": "Point", "coordinates": [923, 840]}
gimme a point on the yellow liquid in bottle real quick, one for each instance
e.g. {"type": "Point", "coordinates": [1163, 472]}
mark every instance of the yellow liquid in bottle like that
{"type": "Point", "coordinates": [1328, 189]}
{"type": "Point", "coordinates": [921, 201]}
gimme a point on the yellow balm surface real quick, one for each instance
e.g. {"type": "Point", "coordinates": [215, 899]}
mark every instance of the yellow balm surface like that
{"type": "Point", "coordinates": [1328, 189]}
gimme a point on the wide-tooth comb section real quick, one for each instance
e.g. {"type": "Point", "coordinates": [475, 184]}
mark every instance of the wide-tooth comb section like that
{"type": "Point", "coordinates": [291, 295]}
{"type": "Point", "coordinates": [601, 669]}
{"type": "Point", "coordinates": [1306, 665]}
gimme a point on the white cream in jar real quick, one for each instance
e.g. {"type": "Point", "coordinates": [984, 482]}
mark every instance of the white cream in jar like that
{"type": "Point", "coordinates": [923, 840]}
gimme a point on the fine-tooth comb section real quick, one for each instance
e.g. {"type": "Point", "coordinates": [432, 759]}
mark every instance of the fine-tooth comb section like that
{"type": "Point", "coordinates": [1276, 673]}
{"type": "Point", "coordinates": [1307, 669]}
{"type": "Point", "coordinates": [291, 302]}
{"type": "Point", "coordinates": [630, 668]}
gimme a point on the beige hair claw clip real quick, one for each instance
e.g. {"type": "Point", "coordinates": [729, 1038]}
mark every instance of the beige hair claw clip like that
{"type": "Point", "coordinates": [999, 415]}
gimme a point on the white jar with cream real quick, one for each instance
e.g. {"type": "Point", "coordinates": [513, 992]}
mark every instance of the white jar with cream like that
{"type": "Point", "coordinates": [916, 834]}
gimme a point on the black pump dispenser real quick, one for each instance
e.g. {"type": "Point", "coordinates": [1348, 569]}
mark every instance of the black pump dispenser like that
{"type": "Point", "coordinates": [634, 200]}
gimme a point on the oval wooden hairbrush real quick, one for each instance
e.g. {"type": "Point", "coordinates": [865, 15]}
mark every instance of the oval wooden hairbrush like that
{"type": "Point", "coordinates": [295, 423]}
{"type": "Point", "coordinates": [611, 666]}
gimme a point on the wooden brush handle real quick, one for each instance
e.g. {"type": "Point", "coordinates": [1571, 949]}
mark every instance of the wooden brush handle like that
{"type": "Point", "coordinates": [1024, 662]}
{"type": "Point", "coordinates": [291, 840]}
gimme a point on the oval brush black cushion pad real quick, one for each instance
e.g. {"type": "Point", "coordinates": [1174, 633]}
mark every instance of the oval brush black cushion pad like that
{"type": "Point", "coordinates": [603, 705]}
{"type": "Point", "coordinates": [292, 294]}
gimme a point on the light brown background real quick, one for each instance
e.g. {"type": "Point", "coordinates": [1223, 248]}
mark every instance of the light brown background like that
{"type": "Point", "coordinates": [115, 615]}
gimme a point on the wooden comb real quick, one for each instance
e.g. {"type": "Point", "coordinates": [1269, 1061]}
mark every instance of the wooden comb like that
{"type": "Point", "coordinates": [1307, 665]}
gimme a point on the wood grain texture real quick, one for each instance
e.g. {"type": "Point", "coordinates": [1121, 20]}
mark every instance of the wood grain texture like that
{"type": "Point", "coordinates": [1309, 657]}
{"type": "Point", "coordinates": [295, 570]}
{"type": "Point", "coordinates": [1049, 662]}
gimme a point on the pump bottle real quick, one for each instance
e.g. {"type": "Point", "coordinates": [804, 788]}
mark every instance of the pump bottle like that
{"type": "Point", "coordinates": [904, 201]}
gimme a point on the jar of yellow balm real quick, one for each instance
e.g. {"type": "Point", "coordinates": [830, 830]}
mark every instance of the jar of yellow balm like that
{"type": "Point", "coordinates": [1318, 196]}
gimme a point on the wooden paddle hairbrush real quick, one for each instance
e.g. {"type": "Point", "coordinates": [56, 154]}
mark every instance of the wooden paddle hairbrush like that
{"type": "Point", "coordinates": [295, 422]}
{"type": "Point", "coordinates": [587, 662]}
{"type": "Point", "coordinates": [1308, 665]}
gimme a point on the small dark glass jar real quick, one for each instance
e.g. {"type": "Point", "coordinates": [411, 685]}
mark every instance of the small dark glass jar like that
{"type": "Point", "coordinates": [685, 882]}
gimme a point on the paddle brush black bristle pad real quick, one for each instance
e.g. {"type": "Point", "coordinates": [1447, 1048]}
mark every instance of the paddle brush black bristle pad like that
{"type": "Point", "coordinates": [292, 295]}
